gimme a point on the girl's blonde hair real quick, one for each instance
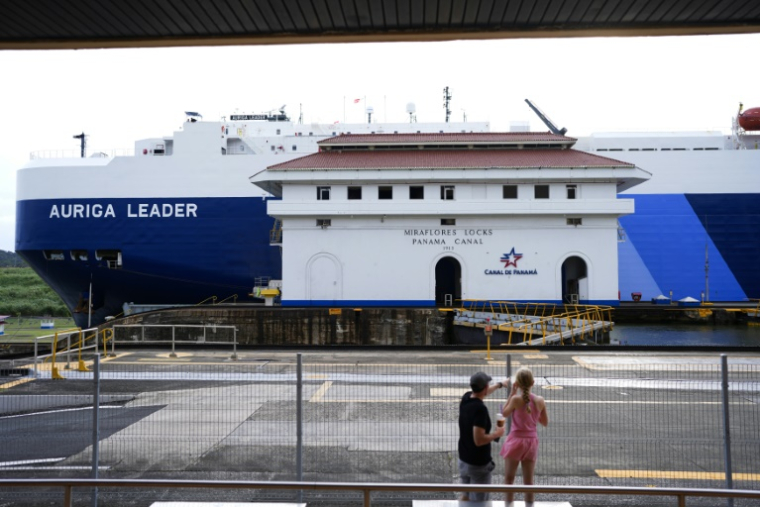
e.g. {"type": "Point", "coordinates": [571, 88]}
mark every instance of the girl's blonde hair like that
{"type": "Point", "coordinates": [524, 380]}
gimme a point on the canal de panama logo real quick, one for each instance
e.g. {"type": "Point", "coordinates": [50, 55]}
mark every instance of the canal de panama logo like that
{"type": "Point", "coordinates": [511, 258]}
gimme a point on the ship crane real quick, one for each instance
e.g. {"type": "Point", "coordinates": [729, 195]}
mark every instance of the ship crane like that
{"type": "Point", "coordinates": [547, 121]}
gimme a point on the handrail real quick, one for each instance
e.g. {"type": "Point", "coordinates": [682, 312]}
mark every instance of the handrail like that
{"type": "Point", "coordinates": [212, 298]}
{"type": "Point", "coordinates": [234, 297]}
{"type": "Point", "coordinates": [368, 487]}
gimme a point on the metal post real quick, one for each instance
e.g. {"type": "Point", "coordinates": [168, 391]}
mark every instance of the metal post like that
{"type": "Point", "coordinates": [234, 344]}
{"type": "Point", "coordinates": [68, 351]}
{"type": "Point", "coordinates": [299, 424]}
{"type": "Point", "coordinates": [509, 386]}
{"type": "Point", "coordinates": [35, 358]}
{"type": "Point", "coordinates": [89, 303]}
{"type": "Point", "coordinates": [726, 429]}
{"type": "Point", "coordinates": [95, 426]}
{"type": "Point", "coordinates": [173, 354]}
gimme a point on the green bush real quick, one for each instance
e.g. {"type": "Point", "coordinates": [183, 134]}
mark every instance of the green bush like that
{"type": "Point", "coordinates": [22, 292]}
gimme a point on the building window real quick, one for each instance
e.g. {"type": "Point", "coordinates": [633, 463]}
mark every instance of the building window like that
{"type": "Point", "coordinates": [417, 192]}
{"type": "Point", "coordinates": [572, 191]}
{"type": "Point", "coordinates": [324, 222]}
{"type": "Point", "coordinates": [278, 132]}
{"type": "Point", "coordinates": [509, 191]}
{"type": "Point", "coordinates": [541, 191]}
{"type": "Point", "coordinates": [575, 221]}
{"type": "Point", "coordinates": [294, 147]}
{"type": "Point", "coordinates": [354, 193]}
{"type": "Point", "coordinates": [385, 192]}
{"type": "Point", "coordinates": [323, 193]}
{"type": "Point", "coordinates": [448, 221]}
{"type": "Point", "coordinates": [272, 147]}
{"type": "Point", "coordinates": [447, 192]}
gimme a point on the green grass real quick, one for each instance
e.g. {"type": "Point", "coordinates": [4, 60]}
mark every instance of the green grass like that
{"type": "Point", "coordinates": [23, 293]}
{"type": "Point", "coordinates": [25, 330]}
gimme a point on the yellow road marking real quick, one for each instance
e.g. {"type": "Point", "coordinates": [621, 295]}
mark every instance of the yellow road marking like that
{"type": "Point", "coordinates": [675, 474]}
{"type": "Point", "coordinates": [317, 397]}
{"type": "Point", "coordinates": [8, 385]}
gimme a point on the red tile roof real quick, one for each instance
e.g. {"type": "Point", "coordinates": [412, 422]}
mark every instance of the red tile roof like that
{"type": "Point", "coordinates": [441, 138]}
{"type": "Point", "coordinates": [447, 159]}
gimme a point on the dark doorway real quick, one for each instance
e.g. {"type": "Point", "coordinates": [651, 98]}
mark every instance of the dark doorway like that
{"type": "Point", "coordinates": [448, 282]}
{"type": "Point", "coordinates": [574, 280]}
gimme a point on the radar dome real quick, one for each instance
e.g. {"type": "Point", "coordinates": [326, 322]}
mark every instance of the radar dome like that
{"type": "Point", "coordinates": [411, 108]}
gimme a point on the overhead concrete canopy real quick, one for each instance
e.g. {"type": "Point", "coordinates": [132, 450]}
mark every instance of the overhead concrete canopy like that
{"type": "Point", "coordinates": [61, 24]}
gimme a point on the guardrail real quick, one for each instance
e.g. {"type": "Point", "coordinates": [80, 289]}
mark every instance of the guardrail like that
{"type": "Point", "coordinates": [681, 494]}
{"type": "Point", "coordinates": [200, 339]}
{"type": "Point", "coordinates": [79, 346]}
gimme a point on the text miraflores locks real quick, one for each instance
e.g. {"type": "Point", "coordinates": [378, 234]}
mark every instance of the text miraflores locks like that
{"type": "Point", "coordinates": [448, 236]}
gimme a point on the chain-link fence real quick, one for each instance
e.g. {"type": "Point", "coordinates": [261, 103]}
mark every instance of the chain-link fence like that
{"type": "Point", "coordinates": [614, 420]}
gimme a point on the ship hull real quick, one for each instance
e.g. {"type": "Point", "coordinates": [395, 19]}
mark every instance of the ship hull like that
{"type": "Point", "coordinates": [219, 253]}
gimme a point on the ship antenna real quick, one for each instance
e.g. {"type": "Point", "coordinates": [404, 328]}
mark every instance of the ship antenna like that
{"type": "Point", "coordinates": [82, 142]}
{"type": "Point", "coordinates": [300, 114]}
{"type": "Point", "coordinates": [446, 99]}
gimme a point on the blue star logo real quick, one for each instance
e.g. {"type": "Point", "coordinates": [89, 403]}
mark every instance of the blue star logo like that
{"type": "Point", "coordinates": [511, 258]}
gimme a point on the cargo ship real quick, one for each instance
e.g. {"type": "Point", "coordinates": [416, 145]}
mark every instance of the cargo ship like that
{"type": "Point", "coordinates": [178, 221]}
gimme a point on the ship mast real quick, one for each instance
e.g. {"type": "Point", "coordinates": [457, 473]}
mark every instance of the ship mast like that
{"type": "Point", "coordinates": [82, 142]}
{"type": "Point", "coordinates": [446, 100]}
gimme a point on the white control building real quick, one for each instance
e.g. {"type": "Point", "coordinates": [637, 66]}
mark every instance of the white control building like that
{"type": "Point", "coordinates": [429, 219]}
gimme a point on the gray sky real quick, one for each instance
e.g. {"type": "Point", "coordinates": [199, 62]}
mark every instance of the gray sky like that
{"type": "Point", "coordinates": [587, 85]}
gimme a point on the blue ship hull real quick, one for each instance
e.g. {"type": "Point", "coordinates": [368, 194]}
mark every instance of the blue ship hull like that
{"type": "Point", "coordinates": [173, 260]}
{"type": "Point", "coordinates": [672, 238]}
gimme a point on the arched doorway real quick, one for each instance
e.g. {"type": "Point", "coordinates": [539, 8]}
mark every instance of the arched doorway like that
{"type": "Point", "coordinates": [448, 281]}
{"type": "Point", "coordinates": [574, 280]}
{"type": "Point", "coordinates": [324, 280]}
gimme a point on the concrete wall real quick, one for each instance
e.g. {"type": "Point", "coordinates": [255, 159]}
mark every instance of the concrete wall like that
{"type": "Point", "coordinates": [315, 326]}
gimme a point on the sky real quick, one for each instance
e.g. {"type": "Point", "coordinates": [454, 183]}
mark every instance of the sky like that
{"type": "Point", "coordinates": [116, 96]}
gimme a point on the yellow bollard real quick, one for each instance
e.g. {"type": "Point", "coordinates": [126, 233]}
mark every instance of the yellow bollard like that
{"type": "Point", "coordinates": [53, 369]}
{"type": "Point", "coordinates": [82, 366]}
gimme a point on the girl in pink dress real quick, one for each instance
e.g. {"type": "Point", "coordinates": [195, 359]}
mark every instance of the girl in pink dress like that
{"type": "Point", "coordinates": [521, 446]}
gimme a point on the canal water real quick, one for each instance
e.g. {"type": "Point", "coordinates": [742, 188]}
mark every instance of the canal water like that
{"type": "Point", "coordinates": [667, 335]}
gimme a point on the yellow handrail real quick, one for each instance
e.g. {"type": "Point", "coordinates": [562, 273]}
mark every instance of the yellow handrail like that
{"type": "Point", "coordinates": [234, 296]}
{"type": "Point", "coordinates": [212, 298]}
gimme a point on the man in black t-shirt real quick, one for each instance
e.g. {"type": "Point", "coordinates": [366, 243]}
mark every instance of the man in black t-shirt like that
{"type": "Point", "coordinates": [475, 437]}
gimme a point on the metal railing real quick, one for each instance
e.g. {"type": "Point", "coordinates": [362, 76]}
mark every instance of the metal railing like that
{"type": "Point", "coordinates": [187, 335]}
{"type": "Point", "coordinates": [537, 323]}
{"type": "Point", "coordinates": [393, 420]}
{"type": "Point", "coordinates": [366, 489]}
{"type": "Point", "coordinates": [69, 153]}
{"type": "Point", "coordinates": [79, 345]}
